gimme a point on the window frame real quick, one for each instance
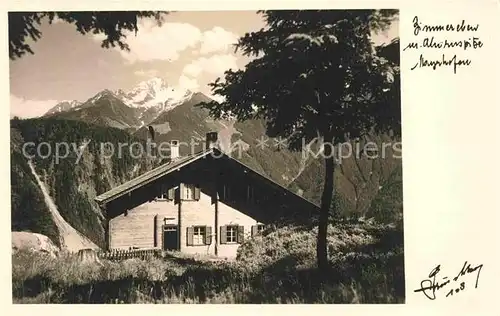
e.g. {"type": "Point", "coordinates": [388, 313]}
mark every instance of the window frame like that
{"type": "Point", "coordinates": [163, 195]}
{"type": "Point", "coordinates": [234, 230]}
{"type": "Point", "coordinates": [260, 228]}
{"type": "Point", "coordinates": [257, 229]}
{"type": "Point", "coordinates": [190, 192]}
{"type": "Point", "coordinates": [199, 235]}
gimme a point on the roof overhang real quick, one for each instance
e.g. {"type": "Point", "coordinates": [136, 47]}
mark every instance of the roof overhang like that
{"type": "Point", "coordinates": [147, 178]}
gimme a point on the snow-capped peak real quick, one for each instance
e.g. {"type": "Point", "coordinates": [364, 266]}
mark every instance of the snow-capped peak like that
{"type": "Point", "coordinates": [104, 93]}
{"type": "Point", "coordinates": [154, 93]}
{"type": "Point", "coordinates": [63, 106]}
{"type": "Point", "coordinates": [155, 86]}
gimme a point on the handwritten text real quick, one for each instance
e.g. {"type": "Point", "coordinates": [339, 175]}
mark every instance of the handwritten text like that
{"type": "Point", "coordinates": [438, 40]}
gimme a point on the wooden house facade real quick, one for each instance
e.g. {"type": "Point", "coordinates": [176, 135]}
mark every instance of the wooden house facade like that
{"type": "Point", "coordinates": [205, 203]}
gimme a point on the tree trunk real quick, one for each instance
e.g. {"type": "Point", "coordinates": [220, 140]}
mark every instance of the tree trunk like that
{"type": "Point", "coordinates": [326, 202]}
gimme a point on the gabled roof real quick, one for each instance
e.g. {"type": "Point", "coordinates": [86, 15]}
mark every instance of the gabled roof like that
{"type": "Point", "coordinates": [148, 177]}
{"type": "Point", "coordinates": [167, 168]}
{"type": "Point", "coordinates": [269, 180]}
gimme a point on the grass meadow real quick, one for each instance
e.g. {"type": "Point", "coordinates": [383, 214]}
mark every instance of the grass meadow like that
{"type": "Point", "coordinates": [366, 266]}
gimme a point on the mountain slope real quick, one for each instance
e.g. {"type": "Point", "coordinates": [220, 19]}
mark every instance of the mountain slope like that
{"type": "Point", "coordinates": [73, 181]}
{"type": "Point", "coordinates": [28, 209]}
{"type": "Point", "coordinates": [183, 123]}
{"type": "Point", "coordinates": [104, 109]}
{"type": "Point", "coordinates": [359, 180]}
{"type": "Point", "coordinates": [70, 238]}
{"type": "Point", "coordinates": [64, 106]}
{"type": "Point", "coordinates": [364, 186]}
{"type": "Point", "coordinates": [189, 123]}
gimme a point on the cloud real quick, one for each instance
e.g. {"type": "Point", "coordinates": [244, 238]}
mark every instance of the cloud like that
{"type": "Point", "coordinates": [207, 68]}
{"type": "Point", "coordinates": [146, 73]}
{"type": "Point", "coordinates": [29, 108]}
{"type": "Point", "coordinates": [214, 65]}
{"type": "Point", "coordinates": [217, 40]}
{"type": "Point", "coordinates": [168, 41]}
{"type": "Point", "coordinates": [218, 98]}
{"type": "Point", "coordinates": [193, 69]}
{"type": "Point", "coordinates": [188, 83]}
{"type": "Point", "coordinates": [153, 42]}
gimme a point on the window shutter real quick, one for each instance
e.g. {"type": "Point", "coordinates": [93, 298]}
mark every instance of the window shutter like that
{"type": "Point", "coordinates": [208, 235]}
{"type": "Point", "coordinates": [250, 193]}
{"type": "Point", "coordinates": [190, 232]}
{"type": "Point", "coordinates": [241, 236]}
{"type": "Point", "coordinates": [223, 235]}
{"type": "Point", "coordinates": [197, 193]}
{"type": "Point", "coordinates": [254, 230]}
{"type": "Point", "coordinates": [171, 194]}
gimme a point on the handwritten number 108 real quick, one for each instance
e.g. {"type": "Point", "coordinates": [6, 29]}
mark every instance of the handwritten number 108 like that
{"type": "Point", "coordinates": [461, 288]}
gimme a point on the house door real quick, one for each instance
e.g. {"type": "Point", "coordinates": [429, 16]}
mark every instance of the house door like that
{"type": "Point", "coordinates": [170, 237]}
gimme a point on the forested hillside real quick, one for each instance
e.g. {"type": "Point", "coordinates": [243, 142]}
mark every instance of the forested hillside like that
{"type": "Point", "coordinates": [73, 183]}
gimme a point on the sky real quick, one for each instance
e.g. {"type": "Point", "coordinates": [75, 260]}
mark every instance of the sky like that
{"type": "Point", "coordinates": [189, 50]}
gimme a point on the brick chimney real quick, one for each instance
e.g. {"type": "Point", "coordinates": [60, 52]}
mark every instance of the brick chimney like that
{"type": "Point", "coordinates": [211, 140]}
{"type": "Point", "coordinates": [174, 149]}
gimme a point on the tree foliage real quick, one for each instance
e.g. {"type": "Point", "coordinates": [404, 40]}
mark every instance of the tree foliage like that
{"type": "Point", "coordinates": [316, 76]}
{"type": "Point", "coordinates": [312, 67]}
{"type": "Point", "coordinates": [24, 26]}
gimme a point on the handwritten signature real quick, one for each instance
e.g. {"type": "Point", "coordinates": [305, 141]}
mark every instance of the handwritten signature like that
{"type": "Point", "coordinates": [434, 283]}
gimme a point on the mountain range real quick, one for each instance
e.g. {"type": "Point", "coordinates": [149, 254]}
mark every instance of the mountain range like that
{"type": "Point", "coordinates": [125, 110]}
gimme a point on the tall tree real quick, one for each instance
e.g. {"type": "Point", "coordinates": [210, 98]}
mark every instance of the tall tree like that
{"type": "Point", "coordinates": [26, 25]}
{"type": "Point", "coordinates": [316, 76]}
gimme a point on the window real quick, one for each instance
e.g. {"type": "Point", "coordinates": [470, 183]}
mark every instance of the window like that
{"type": "Point", "coordinates": [257, 229]}
{"type": "Point", "coordinates": [166, 195]}
{"type": "Point", "coordinates": [190, 192]}
{"type": "Point", "coordinates": [232, 234]}
{"type": "Point", "coordinates": [162, 196]}
{"type": "Point", "coordinates": [260, 228]}
{"type": "Point", "coordinates": [199, 235]}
